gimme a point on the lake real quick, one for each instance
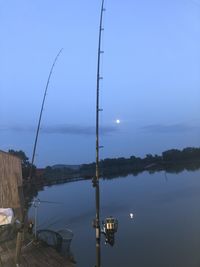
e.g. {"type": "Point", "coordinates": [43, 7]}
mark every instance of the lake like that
{"type": "Point", "coordinates": [164, 231]}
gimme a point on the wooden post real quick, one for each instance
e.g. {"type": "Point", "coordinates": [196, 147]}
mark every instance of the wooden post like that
{"type": "Point", "coordinates": [1, 263]}
{"type": "Point", "coordinates": [20, 233]}
{"type": "Point", "coordinates": [18, 247]}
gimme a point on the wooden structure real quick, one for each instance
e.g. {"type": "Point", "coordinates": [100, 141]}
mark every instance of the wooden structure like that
{"type": "Point", "coordinates": [11, 194]}
{"type": "Point", "coordinates": [34, 255]}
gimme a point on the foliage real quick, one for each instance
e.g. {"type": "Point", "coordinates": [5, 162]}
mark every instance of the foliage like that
{"type": "Point", "coordinates": [26, 165]}
{"type": "Point", "coordinates": [171, 159]}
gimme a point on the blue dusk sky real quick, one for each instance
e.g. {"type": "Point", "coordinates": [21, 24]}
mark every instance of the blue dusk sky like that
{"type": "Point", "coordinates": [150, 69]}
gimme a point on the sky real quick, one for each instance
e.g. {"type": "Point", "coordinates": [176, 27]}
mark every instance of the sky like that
{"type": "Point", "coordinates": [150, 69]}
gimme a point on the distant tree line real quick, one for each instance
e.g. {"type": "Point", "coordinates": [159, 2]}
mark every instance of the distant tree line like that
{"type": "Point", "coordinates": [172, 160]}
{"type": "Point", "coordinates": [62, 173]}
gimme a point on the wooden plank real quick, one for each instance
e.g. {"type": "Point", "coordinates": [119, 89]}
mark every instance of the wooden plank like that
{"type": "Point", "coordinates": [38, 255]}
{"type": "Point", "coordinates": [35, 255]}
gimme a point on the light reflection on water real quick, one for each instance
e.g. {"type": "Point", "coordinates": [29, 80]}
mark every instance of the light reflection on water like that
{"type": "Point", "coordinates": [165, 230]}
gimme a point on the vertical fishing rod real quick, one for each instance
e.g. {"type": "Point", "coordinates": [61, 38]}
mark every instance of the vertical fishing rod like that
{"type": "Point", "coordinates": [41, 111]}
{"type": "Point", "coordinates": [96, 179]}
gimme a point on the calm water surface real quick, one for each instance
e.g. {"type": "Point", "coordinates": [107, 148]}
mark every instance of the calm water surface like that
{"type": "Point", "coordinates": [165, 230]}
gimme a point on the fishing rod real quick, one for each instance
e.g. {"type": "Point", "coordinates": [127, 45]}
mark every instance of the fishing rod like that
{"type": "Point", "coordinates": [96, 178]}
{"type": "Point", "coordinates": [41, 111]}
{"type": "Point", "coordinates": [36, 203]}
{"type": "Point", "coordinates": [110, 225]}
{"type": "Point", "coordinates": [21, 230]}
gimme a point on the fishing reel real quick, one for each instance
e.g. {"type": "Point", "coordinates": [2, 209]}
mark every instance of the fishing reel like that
{"type": "Point", "coordinates": [109, 229]}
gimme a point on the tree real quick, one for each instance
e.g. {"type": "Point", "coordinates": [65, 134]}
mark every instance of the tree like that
{"type": "Point", "coordinates": [172, 155]}
{"type": "Point", "coordinates": [26, 165]}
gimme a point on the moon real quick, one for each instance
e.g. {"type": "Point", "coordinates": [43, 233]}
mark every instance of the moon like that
{"type": "Point", "coordinates": [117, 121]}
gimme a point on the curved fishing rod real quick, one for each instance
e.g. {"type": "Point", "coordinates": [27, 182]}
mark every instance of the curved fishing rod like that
{"type": "Point", "coordinates": [96, 179]}
{"type": "Point", "coordinates": [21, 230]}
{"type": "Point", "coordinates": [41, 111]}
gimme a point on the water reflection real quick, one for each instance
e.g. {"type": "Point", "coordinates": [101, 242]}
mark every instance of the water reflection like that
{"type": "Point", "coordinates": [164, 231]}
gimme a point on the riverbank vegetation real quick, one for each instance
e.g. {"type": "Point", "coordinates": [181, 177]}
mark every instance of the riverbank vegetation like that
{"type": "Point", "coordinates": [172, 160]}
